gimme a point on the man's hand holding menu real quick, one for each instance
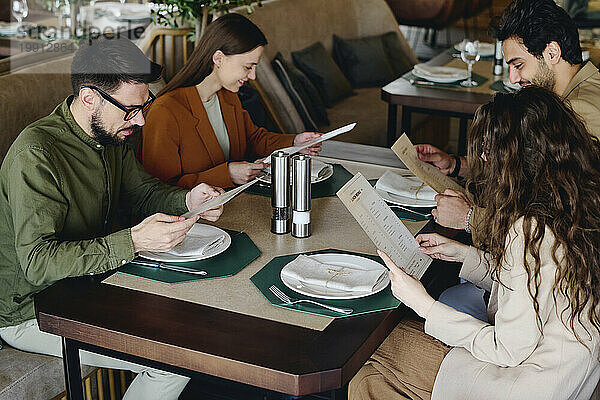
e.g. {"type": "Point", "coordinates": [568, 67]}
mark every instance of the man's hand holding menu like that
{"type": "Point", "coordinates": [453, 204]}
{"type": "Point", "coordinates": [428, 173]}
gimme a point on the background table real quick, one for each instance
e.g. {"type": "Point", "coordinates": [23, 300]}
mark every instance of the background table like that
{"type": "Point", "coordinates": [460, 103]}
{"type": "Point", "coordinates": [187, 338]}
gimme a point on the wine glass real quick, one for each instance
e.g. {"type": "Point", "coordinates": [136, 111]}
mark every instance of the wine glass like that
{"type": "Point", "coordinates": [19, 10]}
{"type": "Point", "coordinates": [469, 53]}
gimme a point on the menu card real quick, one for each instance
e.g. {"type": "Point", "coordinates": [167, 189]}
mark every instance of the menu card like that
{"type": "Point", "coordinates": [219, 200]}
{"type": "Point", "coordinates": [382, 226]}
{"type": "Point", "coordinates": [322, 138]}
{"type": "Point", "coordinates": [428, 173]}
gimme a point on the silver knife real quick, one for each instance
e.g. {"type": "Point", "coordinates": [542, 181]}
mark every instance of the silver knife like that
{"type": "Point", "coordinates": [169, 267]}
{"type": "Point", "coordinates": [421, 83]}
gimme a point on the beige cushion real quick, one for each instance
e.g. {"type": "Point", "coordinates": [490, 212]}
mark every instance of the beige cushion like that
{"type": "Point", "coordinates": [31, 93]}
{"type": "Point", "coordinates": [362, 108]}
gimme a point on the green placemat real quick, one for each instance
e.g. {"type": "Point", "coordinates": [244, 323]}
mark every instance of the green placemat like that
{"type": "Point", "coordinates": [269, 275]}
{"type": "Point", "coordinates": [326, 188]}
{"type": "Point", "coordinates": [498, 86]}
{"type": "Point", "coordinates": [476, 77]}
{"type": "Point", "coordinates": [408, 214]}
{"type": "Point", "coordinates": [241, 253]}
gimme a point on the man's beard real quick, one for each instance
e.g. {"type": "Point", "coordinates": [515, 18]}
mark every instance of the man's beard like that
{"type": "Point", "coordinates": [101, 135]}
{"type": "Point", "coordinates": [544, 77]}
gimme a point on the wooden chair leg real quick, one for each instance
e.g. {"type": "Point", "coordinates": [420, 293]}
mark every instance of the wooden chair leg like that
{"type": "Point", "coordinates": [111, 384]}
{"type": "Point", "coordinates": [87, 382]}
{"type": "Point", "coordinates": [100, 382]}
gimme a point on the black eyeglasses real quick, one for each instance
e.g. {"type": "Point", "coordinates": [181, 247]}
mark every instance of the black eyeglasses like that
{"type": "Point", "coordinates": [130, 112]}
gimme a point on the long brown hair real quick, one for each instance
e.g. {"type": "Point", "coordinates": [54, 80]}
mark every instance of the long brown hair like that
{"type": "Point", "coordinates": [232, 34]}
{"type": "Point", "coordinates": [542, 165]}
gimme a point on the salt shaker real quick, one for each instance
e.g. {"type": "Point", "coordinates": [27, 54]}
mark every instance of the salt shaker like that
{"type": "Point", "coordinates": [280, 192]}
{"type": "Point", "coordinates": [301, 193]}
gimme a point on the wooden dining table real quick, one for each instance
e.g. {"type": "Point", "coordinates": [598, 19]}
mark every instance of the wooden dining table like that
{"type": "Point", "coordinates": [225, 327]}
{"type": "Point", "coordinates": [460, 103]}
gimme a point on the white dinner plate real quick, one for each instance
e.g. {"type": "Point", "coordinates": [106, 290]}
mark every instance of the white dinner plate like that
{"type": "Point", "coordinates": [337, 259]}
{"type": "Point", "coordinates": [199, 230]}
{"type": "Point", "coordinates": [325, 174]}
{"type": "Point", "coordinates": [133, 17]}
{"type": "Point", "coordinates": [441, 74]}
{"type": "Point", "coordinates": [396, 199]}
{"type": "Point", "coordinates": [485, 49]}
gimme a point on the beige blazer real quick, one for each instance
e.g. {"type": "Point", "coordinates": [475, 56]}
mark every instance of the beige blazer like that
{"type": "Point", "coordinates": [583, 92]}
{"type": "Point", "coordinates": [508, 358]}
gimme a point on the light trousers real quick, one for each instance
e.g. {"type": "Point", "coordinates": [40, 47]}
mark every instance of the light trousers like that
{"type": "Point", "coordinates": [403, 367]}
{"type": "Point", "coordinates": [149, 384]}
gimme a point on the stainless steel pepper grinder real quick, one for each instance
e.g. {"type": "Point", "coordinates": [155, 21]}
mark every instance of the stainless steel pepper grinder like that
{"type": "Point", "coordinates": [301, 193]}
{"type": "Point", "coordinates": [280, 192]}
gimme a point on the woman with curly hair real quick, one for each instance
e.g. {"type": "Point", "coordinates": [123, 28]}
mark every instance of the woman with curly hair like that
{"type": "Point", "coordinates": [536, 174]}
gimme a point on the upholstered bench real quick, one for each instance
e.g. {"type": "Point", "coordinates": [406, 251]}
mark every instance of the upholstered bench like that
{"type": "Point", "coordinates": [292, 25]}
{"type": "Point", "coordinates": [31, 376]}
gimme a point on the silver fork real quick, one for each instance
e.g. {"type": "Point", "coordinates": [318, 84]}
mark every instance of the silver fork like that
{"type": "Point", "coordinates": [288, 300]}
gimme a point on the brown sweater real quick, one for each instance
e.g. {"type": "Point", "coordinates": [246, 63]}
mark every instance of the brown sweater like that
{"type": "Point", "coordinates": [179, 145]}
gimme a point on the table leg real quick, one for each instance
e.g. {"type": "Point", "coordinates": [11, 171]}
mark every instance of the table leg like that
{"type": "Point", "coordinates": [462, 137]}
{"type": "Point", "coordinates": [391, 123]}
{"type": "Point", "coordinates": [72, 368]}
{"type": "Point", "coordinates": [340, 394]}
{"type": "Point", "coordinates": [406, 120]}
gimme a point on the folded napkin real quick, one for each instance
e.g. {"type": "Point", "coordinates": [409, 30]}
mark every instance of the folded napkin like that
{"type": "Point", "coordinates": [346, 278]}
{"type": "Point", "coordinates": [194, 245]}
{"type": "Point", "coordinates": [407, 186]}
{"type": "Point", "coordinates": [316, 167]}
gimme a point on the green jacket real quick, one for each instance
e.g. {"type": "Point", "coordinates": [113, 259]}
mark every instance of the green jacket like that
{"type": "Point", "coordinates": [59, 192]}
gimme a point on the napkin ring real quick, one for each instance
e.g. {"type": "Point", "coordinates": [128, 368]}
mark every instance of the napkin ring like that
{"type": "Point", "coordinates": [334, 273]}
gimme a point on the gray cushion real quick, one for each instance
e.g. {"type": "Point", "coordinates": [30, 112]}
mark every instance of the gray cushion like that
{"type": "Point", "coordinates": [364, 61]}
{"type": "Point", "coordinates": [303, 93]}
{"type": "Point", "coordinates": [31, 376]}
{"type": "Point", "coordinates": [323, 72]}
{"type": "Point", "coordinates": [401, 61]}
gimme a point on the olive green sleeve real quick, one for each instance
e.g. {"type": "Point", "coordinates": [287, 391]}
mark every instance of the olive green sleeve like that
{"type": "Point", "coordinates": [39, 210]}
{"type": "Point", "coordinates": [145, 193]}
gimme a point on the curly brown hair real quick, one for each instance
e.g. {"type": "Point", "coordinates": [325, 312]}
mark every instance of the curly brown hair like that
{"type": "Point", "coordinates": [531, 157]}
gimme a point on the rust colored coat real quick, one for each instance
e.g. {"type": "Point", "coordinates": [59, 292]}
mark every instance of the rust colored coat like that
{"type": "Point", "coordinates": [179, 145]}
